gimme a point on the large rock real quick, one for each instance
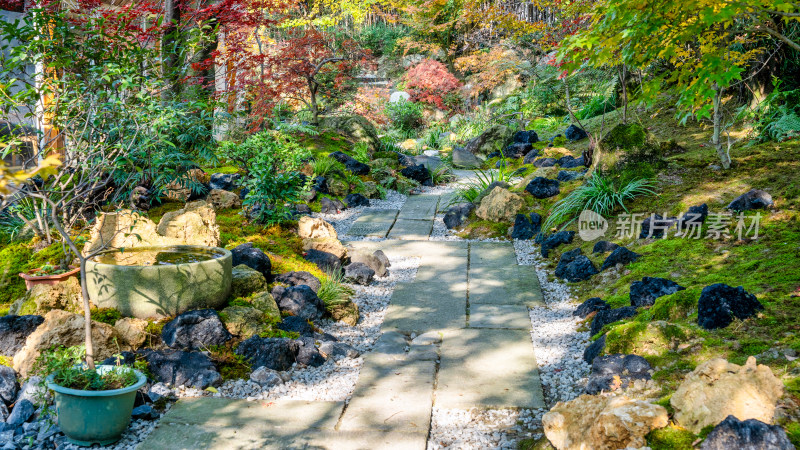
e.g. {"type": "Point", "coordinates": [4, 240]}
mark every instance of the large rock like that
{"type": "Point", "coordinates": [544, 162]}
{"type": "Point", "coordinates": [628, 144]}
{"type": "Point", "coordinates": [491, 140]}
{"type": "Point", "coordinates": [359, 273]}
{"type": "Point", "coordinates": [462, 158]}
{"type": "Point", "coordinates": [457, 214]}
{"type": "Point", "coordinates": [272, 353]}
{"type": "Point", "coordinates": [245, 281]}
{"type": "Point", "coordinates": [572, 163]}
{"type": "Point", "coordinates": [220, 199]}
{"type": "Point", "coordinates": [517, 150]}
{"type": "Point", "coordinates": [14, 330]}
{"type": "Point", "coordinates": [377, 264]}
{"type": "Point", "coordinates": [646, 291]}
{"type": "Point", "coordinates": [328, 245]}
{"type": "Point", "coordinates": [132, 330]}
{"type": "Point", "coordinates": [620, 255]}
{"type": "Point", "coordinates": [719, 304]}
{"type": "Point", "coordinates": [602, 423]}
{"type": "Point", "coordinates": [501, 205]}
{"type": "Point", "coordinates": [526, 137]}
{"type": "Point", "coordinates": [297, 325]}
{"type": "Point", "coordinates": [331, 206]}
{"type": "Point", "coordinates": [605, 317]}
{"type": "Point", "coordinates": [594, 349]}
{"type": "Point", "coordinates": [750, 434]}
{"type": "Point", "coordinates": [8, 385]}
{"type": "Point", "coordinates": [193, 330]}
{"type": "Point", "coordinates": [243, 321]}
{"type": "Point", "coordinates": [418, 173]}
{"type": "Point", "coordinates": [350, 163]}
{"type": "Point", "coordinates": [523, 229]}
{"type": "Point", "coordinates": [298, 278]}
{"type": "Point", "coordinates": [575, 133]}
{"type": "Point", "coordinates": [541, 187]}
{"type": "Point", "coordinates": [308, 354]}
{"type": "Point", "coordinates": [122, 229]}
{"type": "Point", "coordinates": [591, 305]}
{"type": "Point", "coordinates": [356, 128]}
{"type": "Point", "coordinates": [223, 181]}
{"type": "Point", "coordinates": [617, 371]}
{"type": "Point", "coordinates": [530, 157]}
{"type": "Point", "coordinates": [180, 368]}
{"type": "Point", "coordinates": [67, 329]}
{"type": "Point", "coordinates": [253, 258]}
{"type": "Point", "coordinates": [195, 224]}
{"type": "Point", "coordinates": [312, 228]}
{"type": "Point", "coordinates": [356, 200]}
{"type": "Point", "coordinates": [753, 199]}
{"type": "Point", "coordinates": [574, 266]}
{"type": "Point", "coordinates": [717, 389]}
{"type": "Point", "coordinates": [299, 301]}
{"type": "Point", "coordinates": [554, 240]}
{"type": "Point", "coordinates": [566, 176]}
{"type": "Point", "coordinates": [694, 217]}
{"type": "Point", "coordinates": [42, 298]}
{"type": "Point", "coordinates": [604, 247]}
{"type": "Point", "coordinates": [265, 302]}
{"type": "Point", "coordinates": [327, 262]}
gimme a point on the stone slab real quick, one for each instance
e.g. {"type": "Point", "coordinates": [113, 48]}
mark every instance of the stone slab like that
{"type": "Point", "coordinates": [217, 423]}
{"type": "Point", "coordinates": [423, 307]}
{"type": "Point", "coordinates": [404, 248]}
{"type": "Point", "coordinates": [513, 285]}
{"type": "Point", "coordinates": [488, 368]}
{"type": "Point", "coordinates": [499, 316]}
{"type": "Point", "coordinates": [492, 255]}
{"type": "Point", "coordinates": [397, 399]}
{"type": "Point", "coordinates": [420, 207]}
{"type": "Point", "coordinates": [373, 223]}
{"type": "Point", "coordinates": [411, 229]}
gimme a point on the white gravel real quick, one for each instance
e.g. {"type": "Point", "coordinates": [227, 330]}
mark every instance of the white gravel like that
{"type": "Point", "coordinates": [481, 429]}
{"type": "Point", "coordinates": [557, 343]}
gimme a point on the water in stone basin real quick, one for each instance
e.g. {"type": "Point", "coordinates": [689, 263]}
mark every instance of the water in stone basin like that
{"type": "Point", "coordinates": [160, 257]}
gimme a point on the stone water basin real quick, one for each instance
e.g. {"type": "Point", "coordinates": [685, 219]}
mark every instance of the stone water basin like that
{"type": "Point", "coordinates": [154, 282]}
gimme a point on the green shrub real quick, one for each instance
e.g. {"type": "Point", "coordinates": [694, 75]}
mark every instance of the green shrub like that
{"type": "Point", "coordinates": [778, 116]}
{"type": "Point", "coordinates": [381, 38]}
{"type": "Point", "coordinates": [405, 116]}
{"type": "Point", "coordinates": [106, 315]}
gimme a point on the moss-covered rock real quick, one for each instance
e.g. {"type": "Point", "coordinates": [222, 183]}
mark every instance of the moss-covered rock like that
{"type": "Point", "coordinates": [42, 298]}
{"type": "Point", "coordinates": [646, 338]}
{"type": "Point", "coordinates": [338, 188]}
{"type": "Point", "coordinates": [385, 155]}
{"type": "Point", "coordinates": [355, 127]}
{"type": "Point", "coordinates": [243, 321]}
{"type": "Point", "coordinates": [492, 140]}
{"type": "Point", "coordinates": [626, 145]}
{"type": "Point", "coordinates": [245, 281]}
{"type": "Point", "coordinates": [384, 163]}
{"type": "Point", "coordinates": [370, 189]}
{"type": "Point", "coordinates": [265, 302]}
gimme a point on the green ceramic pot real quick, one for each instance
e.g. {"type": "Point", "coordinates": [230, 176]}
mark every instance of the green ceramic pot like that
{"type": "Point", "coordinates": [95, 417]}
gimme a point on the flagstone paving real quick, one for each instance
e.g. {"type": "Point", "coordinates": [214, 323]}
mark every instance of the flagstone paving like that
{"type": "Point", "coordinates": [458, 336]}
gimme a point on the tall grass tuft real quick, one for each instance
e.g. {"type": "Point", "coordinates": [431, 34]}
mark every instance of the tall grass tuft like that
{"type": "Point", "coordinates": [601, 195]}
{"type": "Point", "coordinates": [332, 291]}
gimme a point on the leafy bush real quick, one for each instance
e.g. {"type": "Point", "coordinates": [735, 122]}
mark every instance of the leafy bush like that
{"type": "Point", "coordinates": [381, 38]}
{"type": "Point", "coordinates": [599, 194]}
{"type": "Point", "coordinates": [442, 174]}
{"type": "Point", "coordinates": [778, 116]}
{"type": "Point", "coordinates": [406, 116]}
{"type": "Point", "coordinates": [597, 106]}
{"type": "Point", "coordinates": [430, 82]}
{"type": "Point", "coordinates": [271, 160]}
{"type": "Point", "coordinates": [66, 364]}
{"type": "Point", "coordinates": [324, 165]}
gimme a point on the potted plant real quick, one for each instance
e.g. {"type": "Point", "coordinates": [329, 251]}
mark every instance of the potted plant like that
{"type": "Point", "coordinates": [93, 405]}
{"type": "Point", "coordinates": [49, 274]}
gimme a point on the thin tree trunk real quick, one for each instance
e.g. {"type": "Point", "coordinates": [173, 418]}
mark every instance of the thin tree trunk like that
{"type": "Point", "coordinates": [624, 81]}
{"type": "Point", "coordinates": [716, 139]}
{"type": "Point", "coordinates": [171, 49]}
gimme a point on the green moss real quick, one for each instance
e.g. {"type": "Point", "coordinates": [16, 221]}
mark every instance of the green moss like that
{"type": "Point", "coordinates": [19, 257]}
{"type": "Point", "coordinates": [230, 365]}
{"type": "Point", "coordinates": [793, 433]}
{"type": "Point", "coordinates": [645, 338]}
{"type": "Point", "coordinates": [106, 315]}
{"type": "Point", "coordinates": [223, 169]}
{"type": "Point", "coordinates": [276, 333]}
{"type": "Point", "coordinates": [157, 212]}
{"type": "Point", "coordinates": [670, 438]}
{"type": "Point", "coordinates": [325, 143]}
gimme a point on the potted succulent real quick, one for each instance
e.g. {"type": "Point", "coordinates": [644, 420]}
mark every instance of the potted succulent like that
{"type": "Point", "coordinates": [49, 274]}
{"type": "Point", "coordinates": [93, 405]}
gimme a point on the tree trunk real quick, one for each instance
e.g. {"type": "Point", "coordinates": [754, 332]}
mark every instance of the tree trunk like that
{"type": "Point", "coordinates": [171, 49]}
{"type": "Point", "coordinates": [87, 317]}
{"type": "Point", "coordinates": [312, 89]}
{"type": "Point", "coordinates": [624, 81]}
{"type": "Point", "coordinates": [716, 139]}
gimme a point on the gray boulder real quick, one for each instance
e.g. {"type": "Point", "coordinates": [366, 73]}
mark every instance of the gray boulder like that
{"type": "Point", "coordinates": [620, 255]}
{"type": "Point", "coordinates": [462, 158]}
{"type": "Point", "coordinates": [327, 262]}
{"type": "Point", "coordinates": [750, 434]}
{"type": "Point", "coordinates": [266, 377]}
{"type": "Point", "coordinates": [603, 318]}
{"type": "Point", "coordinates": [177, 367]}
{"type": "Point", "coordinates": [594, 349]}
{"type": "Point", "coordinates": [8, 385]}
{"type": "Point", "coordinates": [457, 214]}
{"type": "Point", "coordinates": [541, 187]}
{"type": "Point", "coordinates": [359, 273]}
{"type": "Point", "coordinates": [556, 239]}
{"type": "Point", "coordinates": [14, 330]}
{"type": "Point", "coordinates": [197, 329]}
{"type": "Point", "coordinates": [646, 291]}
{"type": "Point", "coordinates": [308, 354]}
{"type": "Point", "coordinates": [328, 206]}
{"type": "Point", "coordinates": [356, 200]}
{"type": "Point", "coordinates": [604, 247]}
{"type": "Point", "coordinates": [530, 157]}
{"type": "Point", "coordinates": [298, 278]}
{"type": "Point", "coordinates": [594, 304]}
{"type": "Point", "coordinates": [299, 301]}
{"type": "Point", "coordinates": [378, 265]}
{"type": "Point", "coordinates": [22, 412]}
{"type": "Point", "coordinates": [616, 371]}
{"type": "Point", "coordinates": [545, 162]}
{"type": "Point", "coordinates": [719, 304]}
{"type": "Point", "coordinates": [272, 353]}
{"type": "Point", "coordinates": [753, 199]}
{"type": "Point", "coordinates": [574, 266]}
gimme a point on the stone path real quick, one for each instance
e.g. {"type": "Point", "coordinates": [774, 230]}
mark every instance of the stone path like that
{"type": "Point", "coordinates": [458, 336]}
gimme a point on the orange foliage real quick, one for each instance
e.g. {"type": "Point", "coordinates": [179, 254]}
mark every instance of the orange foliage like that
{"type": "Point", "coordinates": [430, 82]}
{"type": "Point", "coordinates": [488, 69]}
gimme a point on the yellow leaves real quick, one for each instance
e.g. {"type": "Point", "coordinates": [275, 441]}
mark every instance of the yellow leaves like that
{"type": "Point", "coordinates": [8, 177]}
